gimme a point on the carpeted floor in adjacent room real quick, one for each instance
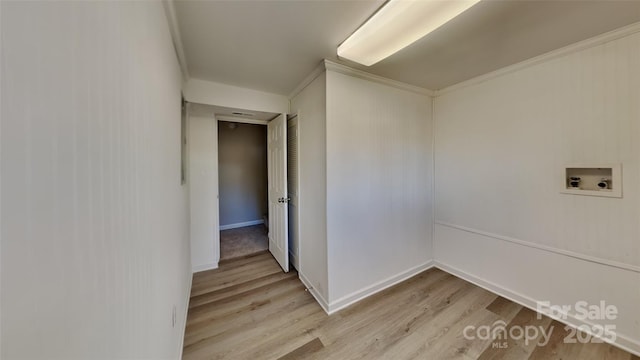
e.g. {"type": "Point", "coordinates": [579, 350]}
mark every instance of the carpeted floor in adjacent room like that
{"type": "Point", "coordinates": [243, 241]}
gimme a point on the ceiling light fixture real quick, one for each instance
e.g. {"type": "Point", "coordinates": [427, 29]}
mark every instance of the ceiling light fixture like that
{"type": "Point", "coordinates": [398, 24]}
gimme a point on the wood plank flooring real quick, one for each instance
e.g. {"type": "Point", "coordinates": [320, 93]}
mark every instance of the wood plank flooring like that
{"type": "Point", "coordinates": [250, 309]}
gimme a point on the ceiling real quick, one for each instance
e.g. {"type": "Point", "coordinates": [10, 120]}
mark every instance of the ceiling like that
{"type": "Point", "coordinates": [272, 45]}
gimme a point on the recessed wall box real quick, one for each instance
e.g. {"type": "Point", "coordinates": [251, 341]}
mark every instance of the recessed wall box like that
{"type": "Point", "coordinates": [593, 180]}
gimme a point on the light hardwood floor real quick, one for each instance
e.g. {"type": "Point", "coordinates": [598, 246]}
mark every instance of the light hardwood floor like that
{"type": "Point", "coordinates": [250, 309]}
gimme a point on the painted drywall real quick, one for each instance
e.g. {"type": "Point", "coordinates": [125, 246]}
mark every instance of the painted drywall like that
{"type": "Point", "coordinates": [213, 93]}
{"type": "Point", "coordinates": [202, 143]}
{"type": "Point", "coordinates": [242, 172]}
{"type": "Point", "coordinates": [95, 251]}
{"type": "Point", "coordinates": [379, 176]}
{"type": "Point", "coordinates": [501, 145]}
{"type": "Point", "coordinates": [310, 105]}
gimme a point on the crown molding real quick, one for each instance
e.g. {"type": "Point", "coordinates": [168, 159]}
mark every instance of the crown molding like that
{"type": "Point", "coordinates": [343, 69]}
{"type": "Point", "coordinates": [328, 65]}
{"type": "Point", "coordinates": [174, 29]}
{"type": "Point", "coordinates": [308, 80]}
{"type": "Point", "coordinates": [581, 45]}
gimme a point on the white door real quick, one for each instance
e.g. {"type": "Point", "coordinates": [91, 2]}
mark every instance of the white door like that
{"type": "Point", "coordinates": [292, 188]}
{"type": "Point", "coordinates": [278, 199]}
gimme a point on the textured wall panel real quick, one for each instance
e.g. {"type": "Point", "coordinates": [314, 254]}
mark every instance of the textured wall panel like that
{"type": "Point", "coordinates": [501, 146]}
{"type": "Point", "coordinates": [310, 105]}
{"type": "Point", "coordinates": [379, 176]}
{"type": "Point", "coordinates": [95, 247]}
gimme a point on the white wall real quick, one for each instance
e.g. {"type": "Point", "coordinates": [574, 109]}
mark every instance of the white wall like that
{"type": "Point", "coordinates": [501, 145]}
{"type": "Point", "coordinates": [310, 105]}
{"type": "Point", "coordinates": [213, 93]}
{"type": "Point", "coordinates": [202, 142]}
{"type": "Point", "coordinates": [379, 177]}
{"type": "Point", "coordinates": [94, 219]}
{"type": "Point", "coordinates": [242, 167]}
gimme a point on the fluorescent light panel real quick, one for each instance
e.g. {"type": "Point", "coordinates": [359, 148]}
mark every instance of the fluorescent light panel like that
{"type": "Point", "coordinates": [398, 24]}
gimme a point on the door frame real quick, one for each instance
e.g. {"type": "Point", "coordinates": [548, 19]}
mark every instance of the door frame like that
{"type": "Point", "coordinates": [296, 229]}
{"type": "Point", "coordinates": [200, 170]}
{"type": "Point", "coordinates": [227, 118]}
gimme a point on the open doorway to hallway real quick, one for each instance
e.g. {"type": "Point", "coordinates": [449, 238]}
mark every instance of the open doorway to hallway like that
{"type": "Point", "coordinates": [215, 208]}
{"type": "Point", "coordinates": [243, 189]}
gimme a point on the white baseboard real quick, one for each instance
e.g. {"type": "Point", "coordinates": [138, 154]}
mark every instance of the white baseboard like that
{"type": "Point", "coordinates": [204, 267]}
{"type": "Point", "coordinates": [527, 274]}
{"type": "Point", "coordinates": [242, 224]}
{"type": "Point", "coordinates": [356, 296]}
{"type": "Point", "coordinates": [319, 299]}
{"type": "Point", "coordinates": [622, 342]}
{"type": "Point", "coordinates": [186, 313]}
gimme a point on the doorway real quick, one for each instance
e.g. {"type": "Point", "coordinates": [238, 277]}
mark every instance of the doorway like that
{"type": "Point", "coordinates": [206, 170]}
{"type": "Point", "coordinates": [243, 189]}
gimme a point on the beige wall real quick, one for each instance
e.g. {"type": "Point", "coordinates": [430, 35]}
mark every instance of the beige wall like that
{"type": "Point", "coordinates": [242, 159]}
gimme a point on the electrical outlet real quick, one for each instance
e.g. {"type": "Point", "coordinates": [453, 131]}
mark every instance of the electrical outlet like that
{"type": "Point", "coordinates": [173, 317]}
